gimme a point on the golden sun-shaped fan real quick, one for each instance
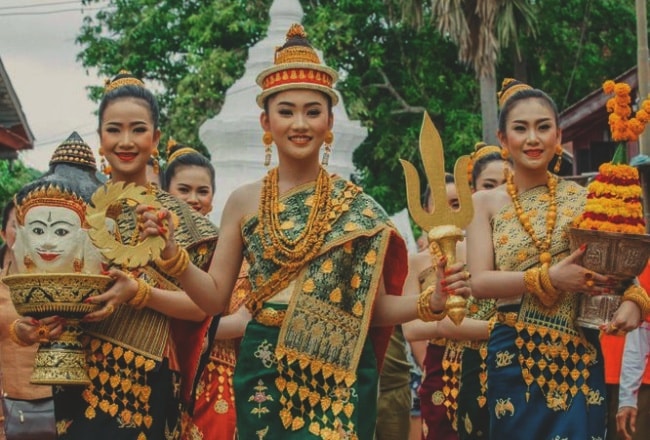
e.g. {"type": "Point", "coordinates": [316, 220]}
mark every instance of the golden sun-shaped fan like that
{"type": "Point", "coordinates": [103, 205]}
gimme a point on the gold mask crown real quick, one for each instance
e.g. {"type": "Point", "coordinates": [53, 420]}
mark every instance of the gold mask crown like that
{"type": "Point", "coordinates": [123, 78]}
{"type": "Point", "coordinates": [50, 195]}
{"type": "Point", "coordinates": [509, 87]}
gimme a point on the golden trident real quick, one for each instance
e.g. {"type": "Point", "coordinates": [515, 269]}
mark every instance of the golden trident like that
{"type": "Point", "coordinates": [444, 225]}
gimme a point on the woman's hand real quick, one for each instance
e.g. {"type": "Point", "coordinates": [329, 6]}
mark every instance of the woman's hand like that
{"type": "Point", "coordinates": [33, 331]}
{"type": "Point", "coordinates": [451, 281]}
{"type": "Point", "coordinates": [153, 223]}
{"type": "Point", "coordinates": [121, 291]}
{"type": "Point", "coordinates": [626, 318]}
{"type": "Point", "coordinates": [569, 276]}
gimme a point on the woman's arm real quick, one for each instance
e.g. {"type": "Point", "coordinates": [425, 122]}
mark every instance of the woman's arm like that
{"type": "Point", "coordinates": [233, 326]}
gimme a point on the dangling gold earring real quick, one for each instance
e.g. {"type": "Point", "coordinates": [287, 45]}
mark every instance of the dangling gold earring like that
{"type": "Point", "coordinates": [29, 263]}
{"type": "Point", "coordinates": [78, 265]}
{"type": "Point", "coordinates": [327, 143]}
{"type": "Point", "coordinates": [267, 140]}
{"type": "Point", "coordinates": [504, 154]}
{"type": "Point", "coordinates": [156, 164]}
{"type": "Point", "coordinates": [558, 159]}
{"type": "Point", "coordinates": [104, 167]}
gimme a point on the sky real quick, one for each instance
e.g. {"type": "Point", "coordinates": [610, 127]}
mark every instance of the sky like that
{"type": "Point", "coordinates": [38, 51]}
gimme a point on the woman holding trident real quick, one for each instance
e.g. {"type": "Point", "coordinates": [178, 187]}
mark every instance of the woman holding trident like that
{"type": "Point", "coordinates": [326, 265]}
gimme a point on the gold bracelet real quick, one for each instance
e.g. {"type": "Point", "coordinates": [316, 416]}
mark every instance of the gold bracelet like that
{"type": "Point", "coordinates": [141, 297]}
{"type": "Point", "coordinates": [175, 265]}
{"type": "Point", "coordinates": [639, 296]}
{"type": "Point", "coordinates": [424, 308]}
{"type": "Point", "coordinates": [531, 281]}
{"type": "Point", "coordinates": [14, 336]}
{"type": "Point", "coordinates": [551, 293]}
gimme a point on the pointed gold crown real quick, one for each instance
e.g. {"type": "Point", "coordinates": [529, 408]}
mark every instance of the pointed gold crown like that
{"type": "Point", "coordinates": [50, 195]}
{"type": "Point", "coordinates": [509, 87]}
{"type": "Point", "coordinates": [296, 65]}
{"type": "Point", "coordinates": [182, 151]}
{"type": "Point", "coordinates": [75, 151]}
{"type": "Point", "coordinates": [123, 78]}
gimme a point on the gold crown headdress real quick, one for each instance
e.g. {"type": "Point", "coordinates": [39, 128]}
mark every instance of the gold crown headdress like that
{"type": "Point", "coordinates": [481, 149]}
{"type": "Point", "coordinates": [509, 87]}
{"type": "Point", "coordinates": [75, 151]}
{"type": "Point", "coordinates": [178, 153]}
{"type": "Point", "coordinates": [296, 65]}
{"type": "Point", "coordinates": [50, 195]}
{"type": "Point", "coordinates": [123, 78]}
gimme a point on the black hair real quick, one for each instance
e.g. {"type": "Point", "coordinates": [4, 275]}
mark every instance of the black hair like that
{"type": "Point", "coordinates": [328, 97]}
{"type": "Point", "coordinates": [6, 211]}
{"type": "Point", "coordinates": [188, 159]}
{"type": "Point", "coordinates": [480, 164]}
{"type": "Point", "coordinates": [522, 95]}
{"type": "Point", "coordinates": [449, 178]}
{"type": "Point", "coordinates": [131, 91]}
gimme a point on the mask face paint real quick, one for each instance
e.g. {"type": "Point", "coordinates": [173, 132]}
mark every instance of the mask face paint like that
{"type": "Point", "coordinates": [51, 239]}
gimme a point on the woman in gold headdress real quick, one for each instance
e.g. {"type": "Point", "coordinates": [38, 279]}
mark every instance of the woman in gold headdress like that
{"type": "Point", "coordinates": [190, 176]}
{"type": "Point", "coordinates": [145, 340]}
{"type": "Point", "coordinates": [325, 266]}
{"type": "Point", "coordinates": [544, 372]}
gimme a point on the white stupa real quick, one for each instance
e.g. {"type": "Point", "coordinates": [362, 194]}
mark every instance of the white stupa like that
{"type": "Point", "coordinates": [234, 136]}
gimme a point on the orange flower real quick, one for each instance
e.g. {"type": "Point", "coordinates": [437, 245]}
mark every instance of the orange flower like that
{"type": "Point", "coordinates": [622, 125]}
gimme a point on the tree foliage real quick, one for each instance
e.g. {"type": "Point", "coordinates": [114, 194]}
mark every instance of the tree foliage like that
{"type": "Point", "coordinates": [192, 51]}
{"type": "Point", "coordinates": [13, 176]}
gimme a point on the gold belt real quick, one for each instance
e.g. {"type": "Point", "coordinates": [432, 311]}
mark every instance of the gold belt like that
{"type": "Point", "coordinates": [507, 318]}
{"type": "Point", "coordinates": [438, 341]}
{"type": "Point", "coordinates": [270, 317]}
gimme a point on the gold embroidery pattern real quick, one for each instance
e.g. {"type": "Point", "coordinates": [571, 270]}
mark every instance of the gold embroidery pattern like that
{"type": "Point", "coordinates": [504, 358]}
{"type": "Point", "coordinates": [328, 317]}
{"type": "Point", "coordinates": [119, 385]}
{"type": "Point", "coordinates": [503, 407]}
{"type": "Point", "coordinates": [265, 354]}
{"type": "Point", "coordinates": [451, 363]}
{"type": "Point", "coordinates": [552, 353]}
{"type": "Point", "coordinates": [259, 397]}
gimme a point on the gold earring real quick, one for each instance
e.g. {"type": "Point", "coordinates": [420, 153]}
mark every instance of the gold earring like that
{"type": "Point", "coordinates": [156, 164]}
{"type": "Point", "coordinates": [504, 154]}
{"type": "Point", "coordinates": [327, 143]}
{"type": "Point", "coordinates": [267, 140]}
{"type": "Point", "coordinates": [29, 263]}
{"type": "Point", "coordinates": [104, 167]}
{"type": "Point", "coordinates": [558, 159]}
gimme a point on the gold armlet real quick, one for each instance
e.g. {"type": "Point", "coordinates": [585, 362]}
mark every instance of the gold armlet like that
{"type": "Point", "coordinates": [176, 265]}
{"type": "Point", "coordinates": [14, 336]}
{"type": "Point", "coordinates": [424, 309]}
{"type": "Point", "coordinates": [638, 295]}
{"type": "Point", "coordinates": [142, 296]}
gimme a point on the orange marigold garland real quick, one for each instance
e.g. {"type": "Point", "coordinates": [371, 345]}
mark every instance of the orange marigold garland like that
{"type": "Point", "coordinates": [614, 196]}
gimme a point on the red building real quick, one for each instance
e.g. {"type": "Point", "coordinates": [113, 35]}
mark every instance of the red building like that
{"type": "Point", "coordinates": [15, 134]}
{"type": "Point", "coordinates": [585, 131]}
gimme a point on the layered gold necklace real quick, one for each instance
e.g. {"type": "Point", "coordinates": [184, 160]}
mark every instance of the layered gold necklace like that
{"type": "Point", "coordinates": [551, 215]}
{"type": "Point", "coordinates": [291, 253]}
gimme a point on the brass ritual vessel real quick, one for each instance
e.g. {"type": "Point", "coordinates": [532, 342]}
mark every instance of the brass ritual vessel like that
{"type": "Point", "coordinates": [619, 256]}
{"type": "Point", "coordinates": [61, 361]}
{"type": "Point", "coordinates": [444, 225]}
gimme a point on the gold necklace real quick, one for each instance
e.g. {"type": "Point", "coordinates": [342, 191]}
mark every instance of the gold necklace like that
{"type": "Point", "coordinates": [551, 215]}
{"type": "Point", "coordinates": [282, 250]}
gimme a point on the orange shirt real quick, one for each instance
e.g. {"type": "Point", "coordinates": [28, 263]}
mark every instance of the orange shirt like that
{"type": "Point", "coordinates": [613, 345]}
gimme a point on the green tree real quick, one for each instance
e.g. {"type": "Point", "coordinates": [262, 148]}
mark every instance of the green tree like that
{"type": "Point", "coordinates": [13, 175]}
{"type": "Point", "coordinates": [189, 51]}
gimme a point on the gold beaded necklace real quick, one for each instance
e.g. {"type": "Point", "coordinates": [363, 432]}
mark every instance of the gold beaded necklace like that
{"type": "Point", "coordinates": [551, 215]}
{"type": "Point", "coordinates": [282, 250]}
